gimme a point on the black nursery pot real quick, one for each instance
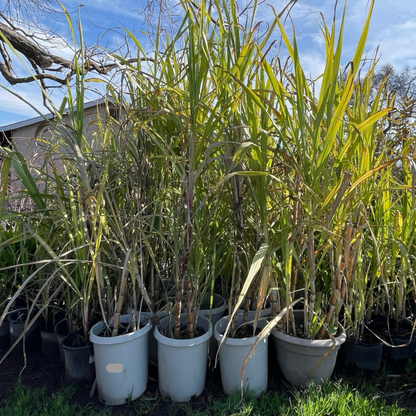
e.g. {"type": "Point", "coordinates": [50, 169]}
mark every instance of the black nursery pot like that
{"type": "Point", "coordinates": [61, 330]}
{"type": "Point", "coordinates": [79, 362]}
{"type": "Point", "coordinates": [363, 355]}
{"type": "Point", "coordinates": [5, 335]}
{"type": "Point", "coordinates": [400, 348]}
{"type": "Point", "coordinates": [399, 344]}
{"type": "Point", "coordinates": [50, 345]}
{"type": "Point", "coordinates": [32, 338]}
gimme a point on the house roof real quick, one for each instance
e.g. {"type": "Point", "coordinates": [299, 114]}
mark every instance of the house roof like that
{"type": "Point", "coordinates": [48, 116]}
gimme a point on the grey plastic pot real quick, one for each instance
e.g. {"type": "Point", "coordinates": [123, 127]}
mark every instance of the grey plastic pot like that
{"type": "Point", "coordinates": [400, 348]}
{"type": "Point", "coordinates": [61, 330]}
{"type": "Point", "coordinates": [232, 354]}
{"type": "Point", "coordinates": [182, 363]}
{"type": "Point", "coordinates": [302, 359]}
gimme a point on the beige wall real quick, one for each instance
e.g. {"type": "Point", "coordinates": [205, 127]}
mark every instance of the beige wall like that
{"type": "Point", "coordinates": [38, 145]}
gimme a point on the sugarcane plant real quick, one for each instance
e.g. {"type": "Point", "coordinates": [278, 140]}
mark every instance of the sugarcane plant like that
{"type": "Point", "coordinates": [321, 143]}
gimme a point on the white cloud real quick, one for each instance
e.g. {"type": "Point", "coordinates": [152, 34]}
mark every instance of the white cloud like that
{"type": "Point", "coordinates": [20, 110]}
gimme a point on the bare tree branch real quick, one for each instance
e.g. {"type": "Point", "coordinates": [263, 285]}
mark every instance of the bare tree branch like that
{"type": "Point", "coordinates": [30, 49]}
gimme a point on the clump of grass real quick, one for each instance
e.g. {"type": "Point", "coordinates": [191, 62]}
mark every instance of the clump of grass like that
{"type": "Point", "coordinates": [24, 401]}
{"type": "Point", "coordinates": [338, 399]}
{"type": "Point", "coordinates": [334, 398]}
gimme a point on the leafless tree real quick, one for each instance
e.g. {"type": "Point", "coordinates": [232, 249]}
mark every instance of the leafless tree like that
{"type": "Point", "coordinates": [399, 127]}
{"type": "Point", "coordinates": [28, 27]}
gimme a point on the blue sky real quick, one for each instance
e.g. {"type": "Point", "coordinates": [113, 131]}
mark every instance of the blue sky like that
{"type": "Point", "coordinates": [392, 30]}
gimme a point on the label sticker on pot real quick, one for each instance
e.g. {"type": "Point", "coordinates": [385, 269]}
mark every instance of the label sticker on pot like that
{"type": "Point", "coordinates": [115, 368]}
{"type": "Point", "coordinates": [11, 330]}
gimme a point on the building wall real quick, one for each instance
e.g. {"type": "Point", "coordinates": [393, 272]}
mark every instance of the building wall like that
{"type": "Point", "coordinates": [39, 145]}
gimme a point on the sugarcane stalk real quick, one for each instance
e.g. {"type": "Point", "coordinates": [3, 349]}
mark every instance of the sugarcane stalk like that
{"type": "Point", "coordinates": [296, 215]}
{"type": "Point", "coordinates": [310, 294]}
{"type": "Point", "coordinates": [347, 289]}
{"type": "Point", "coordinates": [189, 309]}
{"type": "Point", "coordinates": [120, 300]}
{"type": "Point", "coordinates": [274, 298]}
{"type": "Point", "coordinates": [339, 287]}
{"type": "Point", "coordinates": [236, 206]}
{"type": "Point", "coordinates": [183, 278]}
{"type": "Point", "coordinates": [247, 302]}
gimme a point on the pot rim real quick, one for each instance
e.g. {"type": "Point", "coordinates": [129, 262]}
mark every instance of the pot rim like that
{"type": "Point", "coordinates": [119, 339]}
{"type": "Point", "coordinates": [262, 322]}
{"type": "Point", "coordinates": [79, 347]}
{"type": "Point", "coordinates": [375, 344]}
{"type": "Point", "coordinates": [222, 304]}
{"type": "Point", "coordinates": [340, 339]}
{"type": "Point", "coordinates": [164, 323]}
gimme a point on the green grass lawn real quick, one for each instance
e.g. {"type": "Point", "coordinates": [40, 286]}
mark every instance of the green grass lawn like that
{"type": "Point", "coordinates": [335, 398]}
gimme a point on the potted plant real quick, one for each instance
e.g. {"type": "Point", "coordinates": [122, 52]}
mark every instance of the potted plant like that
{"type": "Point", "coordinates": [362, 348]}
{"type": "Point", "coordinates": [121, 340]}
{"type": "Point", "coordinates": [315, 203]}
{"type": "Point", "coordinates": [121, 352]}
{"type": "Point", "coordinates": [242, 352]}
{"type": "Point", "coordinates": [19, 303]}
{"type": "Point", "coordinates": [364, 272]}
{"type": "Point", "coordinates": [187, 135]}
{"type": "Point", "coordinates": [394, 319]}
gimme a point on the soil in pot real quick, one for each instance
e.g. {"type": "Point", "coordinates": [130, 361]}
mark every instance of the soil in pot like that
{"type": "Point", "coordinates": [184, 333]}
{"type": "Point", "coordinates": [246, 331]}
{"type": "Point", "coordinates": [124, 328]}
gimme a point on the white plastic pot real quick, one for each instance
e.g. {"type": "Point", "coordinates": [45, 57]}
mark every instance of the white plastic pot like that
{"type": "Point", "coordinates": [232, 354]}
{"type": "Point", "coordinates": [182, 363]}
{"type": "Point", "coordinates": [152, 348]}
{"type": "Point", "coordinates": [121, 363]}
{"type": "Point", "coordinates": [214, 315]}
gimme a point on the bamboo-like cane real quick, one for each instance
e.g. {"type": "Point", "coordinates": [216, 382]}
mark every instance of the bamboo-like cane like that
{"type": "Point", "coordinates": [236, 205]}
{"type": "Point", "coordinates": [120, 300]}
{"type": "Point", "coordinates": [183, 278]}
{"type": "Point", "coordinates": [311, 295]}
